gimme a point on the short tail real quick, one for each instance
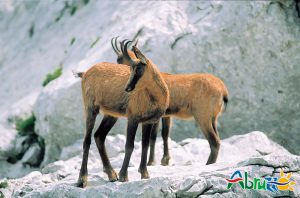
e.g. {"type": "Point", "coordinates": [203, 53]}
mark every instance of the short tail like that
{"type": "Point", "coordinates": [225, 100]}
{"type": "Point", "coordinates": [78, 74]}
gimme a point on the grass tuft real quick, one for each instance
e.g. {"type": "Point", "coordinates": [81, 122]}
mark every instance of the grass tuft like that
{"type": "Point", "coordinates": [3, 184]}
{"type": "Point", "coordinates": [72, 41]}
{"type": "Point", "coordinates": [73, 9]}
{"type": "Point", "coordinates": [85, 2]}
{"type": "Point", "coordinates": [25, 126]}
{"type": "Point", "coordinates": [31, 31]}
{"type": "Point", "coordinates": [52, 76]}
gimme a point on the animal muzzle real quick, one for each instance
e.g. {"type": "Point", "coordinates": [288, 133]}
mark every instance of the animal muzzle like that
{"type": "Point", "coordinates": [129, 88]}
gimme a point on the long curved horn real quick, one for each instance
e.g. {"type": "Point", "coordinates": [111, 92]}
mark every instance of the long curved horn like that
{"type": "Point", "coordinates": [116, 44]}
{"type": "Point", "coordinates": [117, 51]}
{"type": "Point", "coordinates": [122, 45]}
{"type": "Point", "coordinates": [125, 51]}
{"type": "Point", "coordinates": [139, 54]}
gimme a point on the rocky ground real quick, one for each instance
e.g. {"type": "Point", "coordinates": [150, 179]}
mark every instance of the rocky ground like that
{"type": "Point", "coordinates": [187, 176]}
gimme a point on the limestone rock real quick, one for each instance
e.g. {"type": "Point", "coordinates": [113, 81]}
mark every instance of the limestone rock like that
{"type": "Point", "coordinates": [7, 139]}
{"type": "Point", "coordinates": [179, 180]}
{"type": "Point", "coordinates": [33, 155]}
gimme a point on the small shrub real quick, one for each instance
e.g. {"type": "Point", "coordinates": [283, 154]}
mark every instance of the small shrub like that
{"type": "Point", "coordinates": [3, 184]}
{"type": "Point", "coordinates": [85, 2]}
{"type": "Point", "coordinates": [25, 126]}
{"type": "Point", "coordinates": [73, 9]}
{"type": "Point", "coordinates": [72, 41]}
{"type": "Point", "coordinates": [52, 76]}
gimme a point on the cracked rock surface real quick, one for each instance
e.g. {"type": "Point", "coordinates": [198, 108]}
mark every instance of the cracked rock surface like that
{"type": "Point", "coordinates": [187, 176]}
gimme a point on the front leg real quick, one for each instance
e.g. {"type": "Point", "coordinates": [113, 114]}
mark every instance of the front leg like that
{"type": "Point", "coordinates": [147, 130]}
{"type": "Point", "coordinates": [132, 126]}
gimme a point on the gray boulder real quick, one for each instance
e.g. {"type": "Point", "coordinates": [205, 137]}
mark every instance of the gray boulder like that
{"type": "Point", "coordinates": [33, 155]}
{"type": "Point", "coordinates": [59, 116]}
{"type": "Point", "coordinates": [7, 139]}
{"type": "Point", "coordinates": [12, 144]}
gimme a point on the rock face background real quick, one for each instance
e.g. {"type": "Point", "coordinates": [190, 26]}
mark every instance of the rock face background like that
{"type": "Point", "coordinates": [252, 46]}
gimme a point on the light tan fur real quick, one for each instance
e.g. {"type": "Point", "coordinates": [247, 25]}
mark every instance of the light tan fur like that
{"type": "Point", "coordinates": [193, 94]}
{"type": "Point", "coordinates": [103, 86]}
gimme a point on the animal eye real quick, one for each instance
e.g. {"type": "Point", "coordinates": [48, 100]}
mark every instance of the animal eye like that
{"type": "Point", "coordinates": [138, 71]}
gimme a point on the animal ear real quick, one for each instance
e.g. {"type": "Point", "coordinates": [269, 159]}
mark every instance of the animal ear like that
{"type": "Point", "coordinates": [136, 42]}
{"type": "Point", "coordinates": [139, 55]}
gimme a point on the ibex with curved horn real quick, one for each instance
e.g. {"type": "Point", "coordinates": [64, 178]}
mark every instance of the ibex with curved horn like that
{"type": "Point", "coordinates": [201, 96]}
{"type": "Point", "coordinates": [144, 99]}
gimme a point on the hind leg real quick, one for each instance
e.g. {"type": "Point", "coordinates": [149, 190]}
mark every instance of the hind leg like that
{"type": "Point", "coordinates": [214, 143]}
{"type": "Point", "coordinates": [166, 124]}
{"type": "Point", "coordinates": [91, 114]}
{"type": "Point", "coordinates": [208, 127]}
{"type": "Point", "coordinates": [106, 124]}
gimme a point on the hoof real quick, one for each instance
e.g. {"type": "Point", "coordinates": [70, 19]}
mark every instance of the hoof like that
{"type": "Point", "coordinates": [151, 163]}
{"type": "Point", "coordinates": [123, 177]}
{"type": "Point", "coordinates": [165, 161]}
{"type": "Point", "coordinates": [145, 175]}
{"type": "Point", "coordinates": [112, 176]}
{"type": "Point", "coordinates": [82, 182]}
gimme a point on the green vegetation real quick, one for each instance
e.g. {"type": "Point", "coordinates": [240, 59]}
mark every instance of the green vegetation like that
{"type": "Point", "coordinates": [72, 41]}
{"type": "Point", "coordinates": [26, 125]}
{"type": "Point", "coordinates": [3, 184]}
{"type": "Point", "coordinates": [95, 42]}
{"type": "Point", "coordinates": [1, 195]}
{"type": "Point", "coordinates": [25, 128]}
{"type": "Point", "coordinates": [52, 76]}
{"type": "Point", "coordinates": [31, 31]}
{"type": "Point", "coordinates": [73, 9]}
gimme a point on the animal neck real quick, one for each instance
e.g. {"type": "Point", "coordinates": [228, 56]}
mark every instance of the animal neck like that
{"type": "Point", "coordinates": [156, 86]}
